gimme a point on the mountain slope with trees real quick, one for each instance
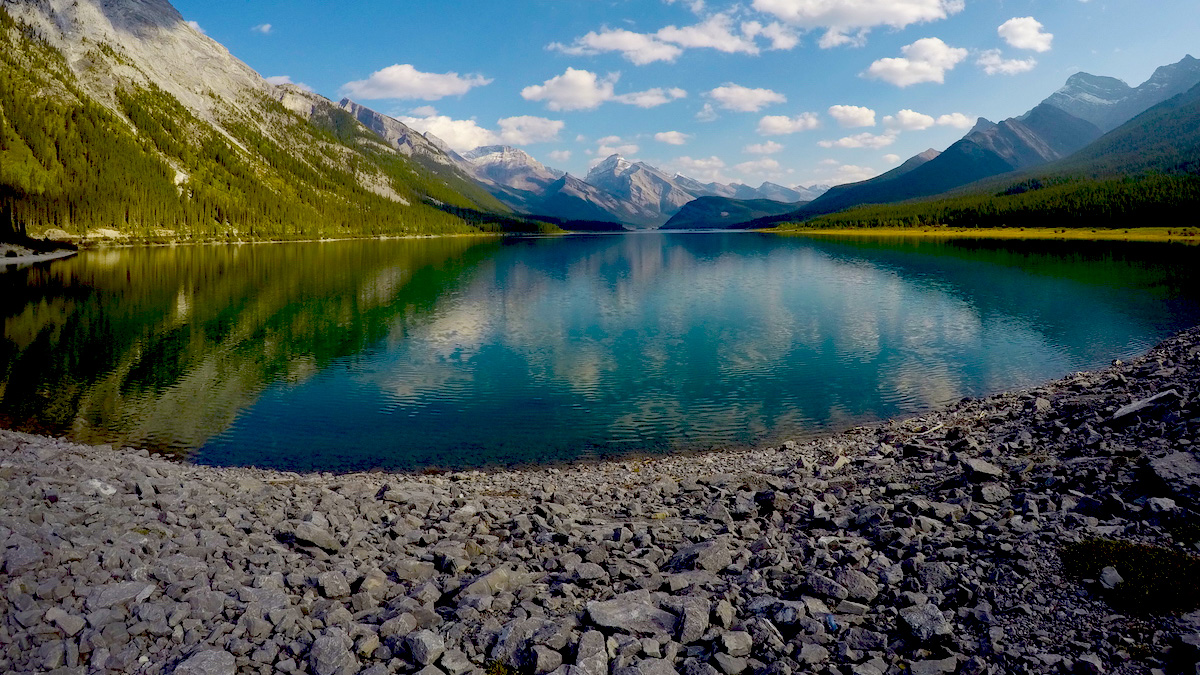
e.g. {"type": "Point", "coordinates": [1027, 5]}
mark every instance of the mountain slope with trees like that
{"type": "Point", "coordinates": [92, 138]}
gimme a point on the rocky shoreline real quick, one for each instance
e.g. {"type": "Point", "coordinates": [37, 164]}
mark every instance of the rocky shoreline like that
{"type": "Point", "coordinates": [926, 545]}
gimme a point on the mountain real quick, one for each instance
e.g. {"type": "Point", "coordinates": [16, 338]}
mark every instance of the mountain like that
{"type": "Point", "coordinates": [1144, 172]}
{"type": "Point", "coordinates": [724, 213]}
{"type": "Point", "coordinates": [120, 116]}
{"type": "Point", "coordinates": [1108, 102]}
{"type": "Point", "coordinates": [511, 168]}
{"type": "Point", "coordinates": [646, 189]}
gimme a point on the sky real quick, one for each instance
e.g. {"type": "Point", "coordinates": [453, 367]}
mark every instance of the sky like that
{"type": "Point", "coordinates": [796, 92]}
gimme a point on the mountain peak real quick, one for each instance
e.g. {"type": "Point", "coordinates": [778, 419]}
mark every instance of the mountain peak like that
{"type": "Point", "coordinates": [981, 124]}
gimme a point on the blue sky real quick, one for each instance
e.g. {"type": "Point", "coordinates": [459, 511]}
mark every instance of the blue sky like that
{"type": "Point", "coordinates": [797, 92]}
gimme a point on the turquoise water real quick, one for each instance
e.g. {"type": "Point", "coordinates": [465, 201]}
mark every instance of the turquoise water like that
{"type": "Point", "coordinates": [456, 353]}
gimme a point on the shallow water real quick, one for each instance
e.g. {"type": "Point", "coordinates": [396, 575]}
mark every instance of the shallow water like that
{"type": "Point", "coordinates": [458, 353]}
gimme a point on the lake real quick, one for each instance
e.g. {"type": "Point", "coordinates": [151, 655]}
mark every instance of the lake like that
{"type": "Point", "coordinates": [476, 352]}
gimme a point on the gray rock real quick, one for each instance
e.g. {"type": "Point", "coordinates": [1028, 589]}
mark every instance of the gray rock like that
{"type": "Point", "coordinates": [208, 662]}
{"type": "Point", "coordinates": [592, 655]}
{"type": "Point", "coordinates": [309, 534]}
{"type": "Point", "coordinates": [1145, 405]}
{"type": "Point", "coordinates": [934, 666]}
{"type": "Point", "coordinates": [122, 593]}
{"type": "Point", "coordinates": [993, 493]}
{"type": "Point", "coordinates": [979, 470]}
{"type": "Point", "coordinates": [333, 584]}
{"type": "Point", "coordinates": [455, 662]}
{"type": "Point", "coordinates": [1110, 578]}
{"type": "Point", "coordinates": [330, 654]}
{"type": "Point", "coordinates": [925, 622]}
{"type": "Point", "coordinates": [1179, 472]}
{"type": "Point", "coordinates": [713, 556]}
{"type": "Point", "coordinates": [730, 665]}
{"type": "Point", "coordinates": [826, 587]}
{"type": "Point", "coordinates": [1089, 664]}
{"type": "Point", "coordinates": [588, 572]}
{"type": "Point", "coordinates": [858, 585]}
{"type": "Point", "coordinates": [737, 643]}
{"type": "Point", "coordinates": [426, 646]}
{"type": "Point", "coordinates": [633, 612]}
{"type": "Point", "coordinates": [694, 619]}
{"type": "Point", "coordinates": [812, 655]}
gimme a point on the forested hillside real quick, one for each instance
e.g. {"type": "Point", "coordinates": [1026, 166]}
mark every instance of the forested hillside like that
{"type": "Point", "coordinates": [1144, 173]}
{"type": "Point", "coordinates": [145, 166]}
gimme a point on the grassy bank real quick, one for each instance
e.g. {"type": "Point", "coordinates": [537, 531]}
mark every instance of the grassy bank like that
{"type": "Point", "coordinates": [1183, 235]}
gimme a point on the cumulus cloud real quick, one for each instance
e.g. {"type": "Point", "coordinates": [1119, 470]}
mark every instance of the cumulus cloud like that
{"type": "Point", "coordinates": [718, 31]}
{"type": "Point", "coordinates": [909, 120]}
{"type": "Point", "coordinates": [404, 81]}
{"type": "Point", "coordinates": [863, 140]}
{"type": "Point", "coordinates": [848, 173]}
{"type": "Point", "coordinates": [672, 137]}
{"type": "Point", "coordinates": [264, 28]}
{"type": "Point", "coordinates": [638, 48]}
{"type": "Point", "coordinates": [891, 158]}
{"type": "Point", "coordinates": [584, 90]}
{"type": "Point", "coordinates": [780, 125]}
{"type": "Point", "coordinates": [651, 98]}
{"type": "Point", "coordinates": [956, 120]}
{"type": "Point", "coordinates": [993, 63]}
{"type": "Point", "coordinates": [852, 116]}
{"type": "Point", "coordinates": [925, 60]}
{"type": "Point", "coordinates": [744, 99]}
{"type": "Point", "coordinates": [764, 166]}
{"type": "Point", "coordinates": [703, 169]}
{"type": "Point", "coordinates": [841, 18]}
{"type": "Point", "coordinates": [464, 135]}
{"type": "Point", "coordinates": [1026, 33]}
{"type": "Point", "coordinates": [768, 148]}
{"type": "Point", "coordinates": [284, 79]}
{"type": "Point", "coordinates": [195, 25]}
{"type": "Point", "coordinates": [559, 155]}
{"type": "Point", "coordinates": [615, 145]}
{"type": "Point", "coordinates": [707, 114]}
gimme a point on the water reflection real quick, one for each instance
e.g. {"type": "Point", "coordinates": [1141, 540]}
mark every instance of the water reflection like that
{"type": "Point", "coordinates": [470, 352]}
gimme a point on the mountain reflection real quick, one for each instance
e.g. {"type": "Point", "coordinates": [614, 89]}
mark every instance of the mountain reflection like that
{"type": "Point", "coordinates": [474, 352]}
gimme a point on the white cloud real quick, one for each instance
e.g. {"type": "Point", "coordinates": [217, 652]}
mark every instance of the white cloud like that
{"type": "Point", "coordinates": [956, 120]}
{"type": "Point", "coordinates": [715, 32]}
{"type": "Point", "coordinates": [863, 140]}
{"type": "Point", "coordinates": [839, 18]}
{"type": "Point", "coordinates": [464, 135]}
{"type": "Point", "coordinates": [702, 169]}
{"type": "Point", "coordinates": [744, 99]}
{"type": "Point", "coordinates": [925, 60]}
{"type": "Point", "coordinates": [908, 120]}
{"type": "Point", "coordinates": [891, 158]}
{"type": "Point", "coordinates": [195, 25]}
{"type": "Point", "coordinates": [1026, 33]}
{"type": "Point", "coordinates": [707, 114]}
{"type": "Point", "coordinates": [526, 129]}
{"type": "Point", "coordinates": [768, 148]}
{"type": "Point", "coordinates": [780, 125]}
{"type": "Point", "coordinates": [615, 145]}
{"type": "Point", "coordinates": [559, 155]}
{"type": "Point", "coordinates": [639, 48]}
{"type": "Point", "coordinates": [994, 64]}
{"type": "Point", "coordinates": [766, 166]}
{"type": "Point", "coordinates": [718, 32]}
{"type": "Point", "coordinates": [852, 116]}
{"type": "Point", "coordinates": [584, 90]}
{"type": "Point", "coordinates": [264, 28]}
{"type": "Point", "coordinates": [284, 79]}
{"type": "Point", "coordinates": [697, 6]}
{"type": "Point", "coordinates": [423, 111]}
{"type": "Point", "coordinates": [405, 81]}
{"type": "Point", "coordinates": [848, 173]}
{"type": "Point", "coordinates": [651, 98]}
{"type": "Point", "coordinates": [672, 137]}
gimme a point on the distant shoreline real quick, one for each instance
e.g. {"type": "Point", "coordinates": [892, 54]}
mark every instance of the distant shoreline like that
{"type": "Point", "coordinates": [1133, 234]}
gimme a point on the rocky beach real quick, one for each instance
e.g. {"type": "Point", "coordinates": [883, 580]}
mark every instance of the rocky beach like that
{"type": "Point", "coordinates": [967, 540]}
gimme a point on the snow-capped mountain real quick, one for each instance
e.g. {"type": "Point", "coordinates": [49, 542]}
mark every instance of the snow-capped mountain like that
{"type": "Point", "coordinates": [511, 167]}
{"type": "Point", "coordinates": [1108, 102]}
